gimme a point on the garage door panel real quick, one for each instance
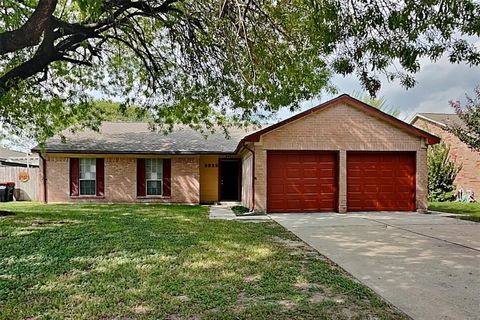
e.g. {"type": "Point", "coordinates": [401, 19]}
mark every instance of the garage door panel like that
{"type": "Point", "coordinates": [312, 188]}
{"type": "Point", "coordinates": [327, 172]}
{"type": "Point", "coordinates": [310, 172]}
{"type": "Point", "coordinates": [305, 180]}
{"type": "Point", "coordinates": [294, 205]}
{"type": "Point", "coordinates": [293, 172]}
{"type": "Point", "coordinates": [380, 181]}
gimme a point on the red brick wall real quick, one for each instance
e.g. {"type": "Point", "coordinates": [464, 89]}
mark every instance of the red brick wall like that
{"type": "Point", "coordinates": [120, 180]}
{"type": "Point", "coordinates": [469, 177]}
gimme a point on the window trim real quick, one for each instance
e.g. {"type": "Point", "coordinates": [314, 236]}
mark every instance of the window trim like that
{"type": "Point", "coordinates": [156, 180]}
{"type": "Point", "coordinates": [80, 179]}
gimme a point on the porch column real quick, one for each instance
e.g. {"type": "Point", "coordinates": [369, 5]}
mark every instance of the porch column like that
{"type": "Point", "coordinates": [342, 181]}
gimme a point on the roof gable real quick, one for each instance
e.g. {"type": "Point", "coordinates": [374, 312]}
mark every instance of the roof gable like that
{"type": "Point", "coordinates": [346, 99]}
{"type": "Point", "coordinates": [439, 119]}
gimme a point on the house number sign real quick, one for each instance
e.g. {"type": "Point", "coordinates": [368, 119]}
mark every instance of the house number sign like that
{"type": "Point", "coordinates": [23, 176]}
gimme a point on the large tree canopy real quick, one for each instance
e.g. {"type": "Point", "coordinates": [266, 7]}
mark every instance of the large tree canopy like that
{"type": "Point", "coordinates": [210, 62]}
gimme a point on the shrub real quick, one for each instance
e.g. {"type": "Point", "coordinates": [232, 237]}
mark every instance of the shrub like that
{"type": "Point", "coordinates": [441, 173]}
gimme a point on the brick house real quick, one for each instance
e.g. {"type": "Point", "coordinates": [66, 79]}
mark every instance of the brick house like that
{"type": "Point", "coordinates": [342, 155]}
{"type": "Point", "coordinates": [468, 179]}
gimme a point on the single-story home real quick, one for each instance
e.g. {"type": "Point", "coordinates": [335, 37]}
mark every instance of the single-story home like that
{"type": "Point", "coordinates": [342, 155]}
{"type": "Point", "coordinates": [468, 179]}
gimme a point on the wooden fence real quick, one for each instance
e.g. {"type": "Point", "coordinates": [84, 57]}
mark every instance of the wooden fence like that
{"type": "Point", "coordinates": [24, 191]}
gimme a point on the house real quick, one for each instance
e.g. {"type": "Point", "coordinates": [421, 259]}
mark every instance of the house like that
{"type": "Point", "coordinates": [22, 169]}
{"type": "Point", "coordinates": [14, 158]}
{"type": "Point", "coordinates": [342, 155]}
{"type": "Point", "coordinates": [468, 179]}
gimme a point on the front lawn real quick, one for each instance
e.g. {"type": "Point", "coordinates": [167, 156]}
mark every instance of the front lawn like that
{"type": "Point", "coordinates": [165, 262]}
{"type": "Point", "coordinates": [472, 210]}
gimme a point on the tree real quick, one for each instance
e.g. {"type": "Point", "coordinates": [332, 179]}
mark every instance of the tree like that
{"type": "Point", "coordinates": [441, 173]}
{"type": "Point", "coordinates": [114, 111]}
{"type": "Point", "coordinates": [210, 62]}
{"type": "Point", "coordinates": [380, 103]}
{"type": "Point", "coordinates": [469, 132]}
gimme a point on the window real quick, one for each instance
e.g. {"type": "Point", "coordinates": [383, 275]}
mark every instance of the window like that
{"type": "Point", "coordinates": [88, 172]}
{"type": "Point", "coordinates": [154, 176]}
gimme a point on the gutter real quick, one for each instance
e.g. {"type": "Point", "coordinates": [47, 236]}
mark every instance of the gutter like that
{"type": "Point", "coordinates": [253, 174]}
{"type": "Point", "coordinates": [133, 152]}
{"type": "Point", "coordinates": [44, 169]}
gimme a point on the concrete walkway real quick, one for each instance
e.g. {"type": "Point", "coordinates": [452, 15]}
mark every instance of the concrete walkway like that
{"type": "Point", "coordinates": [426, 265]}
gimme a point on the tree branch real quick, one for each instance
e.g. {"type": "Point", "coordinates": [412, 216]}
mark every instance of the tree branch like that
{"type": "Point", "coordinates": [28, 34]}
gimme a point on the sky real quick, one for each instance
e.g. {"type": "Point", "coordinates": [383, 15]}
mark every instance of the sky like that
{"type": "Point", "coordinates": [437, 83]}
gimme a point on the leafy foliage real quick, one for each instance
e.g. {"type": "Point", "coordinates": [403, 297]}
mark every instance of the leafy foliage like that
{"type": "Point", "coordinates": [113, 111]}
{"type": "Point", "coordinates": [469, 133]}
{"type": "Point", "coordinates": [441, 173]}
{"type": "Point", "coordinates": [209, 62]}
{"type": "Point", "coordinates": [380, 103]}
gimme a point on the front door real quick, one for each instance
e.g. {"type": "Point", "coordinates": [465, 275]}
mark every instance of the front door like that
{"type": "Point", "coordinates": [229, 179]}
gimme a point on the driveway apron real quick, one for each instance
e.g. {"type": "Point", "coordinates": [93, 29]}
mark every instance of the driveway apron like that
{"type": "Point", "coordinates": [426, 265]}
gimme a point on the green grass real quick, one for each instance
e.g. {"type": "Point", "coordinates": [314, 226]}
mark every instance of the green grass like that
{"type": "Point", "coordinates": [240, 210]}
{"type": "Point", "coordinates": [471, 210]}
{"type": "Point", "coordinates": [244, 211]}
{"type": "Point", "coordinates": [158, 261]}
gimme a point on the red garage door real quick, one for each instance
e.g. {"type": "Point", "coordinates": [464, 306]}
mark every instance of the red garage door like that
{"type": "Point", "coordinates": [380, 181]}
{"type": "Point", "coordinates": [301, 181]}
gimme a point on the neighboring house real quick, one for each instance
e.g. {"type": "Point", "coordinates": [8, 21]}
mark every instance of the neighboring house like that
{"type": "Point", "coordinates": [22, 169]}
{"type": "Point", "coordinates": [468, 179]}
{"type": "Point", "coordinates": [16, 158]}
{"type": "Point", "coordinates": [342, 155]}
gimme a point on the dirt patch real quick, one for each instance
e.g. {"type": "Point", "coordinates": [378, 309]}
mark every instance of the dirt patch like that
{"type": "Point", "coordinates": [183, 298]}
{"type": "Point", "coordinates": [306, 286]}
{"type": "Point", "coordinates": [317, 297]}
{"type": "Point", "coordinates": [252, 278]}
{"type": "Point", "coordinates": [141, 309]}
{"type": "Point", "coordinates": [287, 304]}
{"type": "Point", "coordinates": [290, 243]}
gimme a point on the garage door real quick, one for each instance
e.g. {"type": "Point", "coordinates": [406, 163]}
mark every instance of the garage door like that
{"type": "Point", "coordinates": [380, 181]}
{"type": "Point", "coordinates": [301, 181]}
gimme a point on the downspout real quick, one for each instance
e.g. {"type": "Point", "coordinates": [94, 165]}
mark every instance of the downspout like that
{"type": "Point", "coordinates": [44, 169]}
{"type": "Point", "coordinates": [253, 174]}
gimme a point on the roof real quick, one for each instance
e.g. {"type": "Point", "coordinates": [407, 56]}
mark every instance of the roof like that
{"type": "Point", "coordinates": [22, 164]}
{"type": "Point", "coordinates": [345, 98]}
{"type": "Point", "coordinates": [8, 153]}
{"type": "Point", "coordinates": [137, 137]}
{"type": "Point", "coordinates": [442, 119]}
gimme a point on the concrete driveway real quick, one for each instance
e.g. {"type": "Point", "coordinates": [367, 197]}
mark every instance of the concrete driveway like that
{"type": "Point", "coordinates": [426, 265]}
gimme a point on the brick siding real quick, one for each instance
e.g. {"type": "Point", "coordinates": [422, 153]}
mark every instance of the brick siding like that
{"type": "Point", "coordinates": [339, 128]}
{"type": "Point", "coordinates": [469, 177]}
{"type": "Point", "coordinates": [121, 181]}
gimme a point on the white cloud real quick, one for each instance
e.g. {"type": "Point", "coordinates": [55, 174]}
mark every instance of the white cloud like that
{"type": "Point", "coordinates": [437, 83]}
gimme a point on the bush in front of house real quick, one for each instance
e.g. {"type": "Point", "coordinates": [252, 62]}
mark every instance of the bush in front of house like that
{"type": "Point", "coordinates": [441, 173]}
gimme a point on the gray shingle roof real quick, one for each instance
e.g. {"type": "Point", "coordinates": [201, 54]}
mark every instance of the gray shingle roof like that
{"type": "Point", "coordinates": [448, 119]}
{"type": "Point", "coordinates": [136, 137]}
